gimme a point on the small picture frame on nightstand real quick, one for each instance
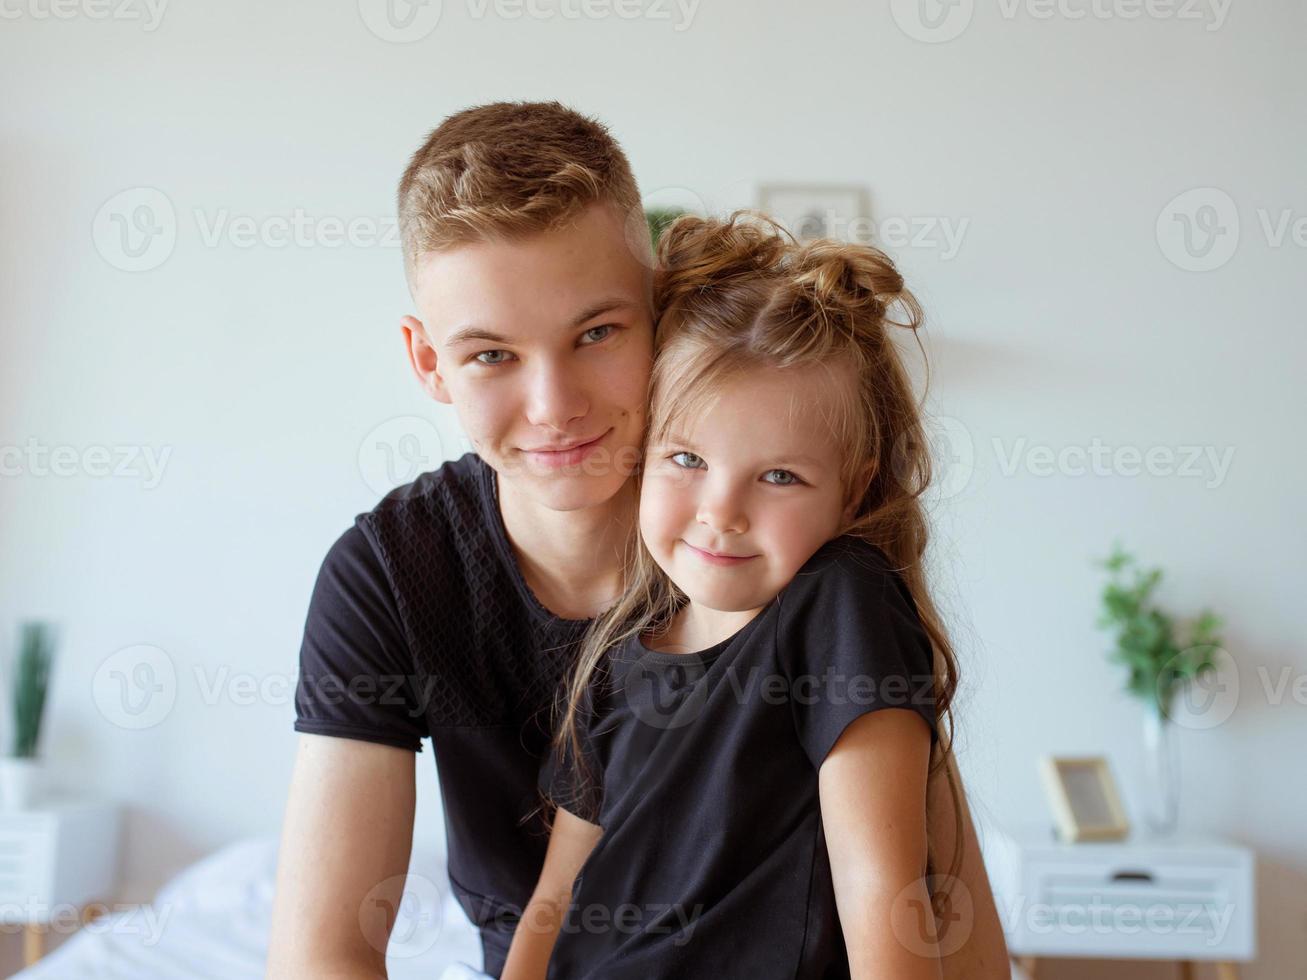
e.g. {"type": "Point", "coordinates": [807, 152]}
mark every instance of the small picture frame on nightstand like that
{"type": "Point", "coordinates": [1083, 797]}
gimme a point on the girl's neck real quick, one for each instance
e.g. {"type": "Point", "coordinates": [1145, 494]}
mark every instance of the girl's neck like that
{"type": "Point", "coordinates": [571, 560]}
{"type": "Point", "coordinates": [696, 628]}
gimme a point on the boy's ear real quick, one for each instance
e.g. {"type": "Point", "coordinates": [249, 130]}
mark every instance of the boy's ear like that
{"type": "Point", "coordinates": [422, 358]}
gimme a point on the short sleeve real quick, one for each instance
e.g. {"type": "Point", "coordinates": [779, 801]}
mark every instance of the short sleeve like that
{"type": "Point", "coordinates": [850, 642]}
{"type": "Point", "coordinates": [355, 670]}
{"type": "Point", "coordinates": [576, 788]}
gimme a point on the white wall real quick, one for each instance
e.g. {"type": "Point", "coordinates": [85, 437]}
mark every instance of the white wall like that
{"type": "Point", "coordinates": [263, 371]}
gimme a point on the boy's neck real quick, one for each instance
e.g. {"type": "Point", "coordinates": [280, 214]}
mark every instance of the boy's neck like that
{"type": "Point", "coordinates": [571, 560]}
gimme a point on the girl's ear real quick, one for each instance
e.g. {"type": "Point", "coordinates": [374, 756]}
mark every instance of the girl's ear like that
{"type": "Point", "coordinates": [858, 490]}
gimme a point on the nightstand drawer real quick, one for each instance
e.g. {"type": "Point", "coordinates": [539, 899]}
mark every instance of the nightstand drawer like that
{"type": "Point", "coordinates": [56, 857]}
{"type": "Point", "coordinates": [1132, 900]}
{"type": "Point", "coordinates": [1165, 907]}
{"type": "Point", "coordinates": [24, 863]}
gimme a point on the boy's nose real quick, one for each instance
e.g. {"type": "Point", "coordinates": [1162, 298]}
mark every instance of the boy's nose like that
{"type": "Point", "coordinates": [556, 400]}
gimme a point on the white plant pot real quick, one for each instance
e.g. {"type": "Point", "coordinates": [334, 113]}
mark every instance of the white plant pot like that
{"type": "Point", "coordinates": [21, 782]}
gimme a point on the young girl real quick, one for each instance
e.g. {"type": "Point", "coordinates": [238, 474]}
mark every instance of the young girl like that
{"type": "Point", "coordinates": [732, 802]}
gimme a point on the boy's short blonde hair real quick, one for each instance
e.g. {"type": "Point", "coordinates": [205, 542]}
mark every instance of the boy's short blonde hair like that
{"type": "Point", "coordinates": [508, 169]}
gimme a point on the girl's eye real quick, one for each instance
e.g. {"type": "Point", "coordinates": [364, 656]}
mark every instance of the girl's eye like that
{"type": "Point", "coordinates": [606, 326]}
{"type": "Point", "coordinates": [494, 361]}
{"type": "Point", "coordinates": [689, 466]}
{"type": "Point", "coordinates": [788, 478]}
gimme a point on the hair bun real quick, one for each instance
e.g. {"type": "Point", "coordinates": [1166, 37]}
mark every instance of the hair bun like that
{"type": "Point", "coordinates": [841, 279]}
{"type": "Point", "coordinates": [859, 278]}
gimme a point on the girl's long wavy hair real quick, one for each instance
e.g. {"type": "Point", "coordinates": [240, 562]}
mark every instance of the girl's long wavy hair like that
{"type": "Point", "coordinates": [742, 295]}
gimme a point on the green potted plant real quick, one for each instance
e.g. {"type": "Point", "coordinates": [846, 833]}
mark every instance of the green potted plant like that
{"type": "Point", "coordinates": [1160, 665]}
{"type": "Point", "coordinates": [20, 767]}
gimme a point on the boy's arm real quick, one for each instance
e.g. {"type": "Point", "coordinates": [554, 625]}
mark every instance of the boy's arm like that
{"type": "Point", "coordinates": [570, 843]}
{"type": "Point", "coordinates": [873, 809]}
{"type": "Point", "coordinates": [342, 859]}
{"type": "Point", "coordinates": [348, 825]}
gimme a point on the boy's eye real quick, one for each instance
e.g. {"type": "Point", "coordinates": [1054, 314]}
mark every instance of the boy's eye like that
{"type": "Point", "coordinates": [494, 360]}
{"type": "Point", "coordinates": [689, 466]}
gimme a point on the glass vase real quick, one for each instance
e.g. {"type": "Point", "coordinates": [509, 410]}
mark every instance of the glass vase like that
{"type": "Point", "coordinates": [1160, 793]}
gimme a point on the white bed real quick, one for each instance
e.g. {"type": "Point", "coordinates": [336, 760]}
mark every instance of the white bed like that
{"type": "Point", "coordinates": [210, 922]}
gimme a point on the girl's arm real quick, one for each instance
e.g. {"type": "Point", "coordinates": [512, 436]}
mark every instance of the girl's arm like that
{"type": "Point", "coordinates": [984, 954]}
{"type": "Point", "coordinates": [873, 809]}
{"type": "Point", "coordinates": [570, 843]}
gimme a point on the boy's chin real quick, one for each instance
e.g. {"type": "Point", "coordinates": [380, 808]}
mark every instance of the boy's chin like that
{"type": "Point", "coordinates": [565, 490]}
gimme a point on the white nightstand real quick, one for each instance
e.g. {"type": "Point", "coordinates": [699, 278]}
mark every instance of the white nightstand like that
{"type": "Point", "coordinates": [55, 859]}
{"type": "Point", "coordinates": [1185, 899]}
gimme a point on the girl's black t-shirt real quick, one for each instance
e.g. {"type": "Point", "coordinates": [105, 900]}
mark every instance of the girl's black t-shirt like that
{"type": "Point", "coordinates": [702, 772]}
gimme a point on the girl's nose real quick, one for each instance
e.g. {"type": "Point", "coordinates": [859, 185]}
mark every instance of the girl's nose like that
{"type": "Point", "coordinates": [721, 509]}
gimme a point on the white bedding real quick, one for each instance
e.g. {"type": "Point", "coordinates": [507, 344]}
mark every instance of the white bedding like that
{"type": "Point", "coordinates": [210, 922]}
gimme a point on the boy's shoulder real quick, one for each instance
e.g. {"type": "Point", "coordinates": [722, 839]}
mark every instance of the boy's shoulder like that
{"type": "Point", "coordinates": [454, 478]}
{"type": "Point", "coordinates": [451, 496]}
{"type": "Point", "coordinates": [440, 520]}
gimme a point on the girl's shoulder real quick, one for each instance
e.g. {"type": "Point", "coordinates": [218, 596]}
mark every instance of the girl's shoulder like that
{"type": "Point", "coordinates": [846, 555]}
{"type": "Point", "coordinates": [847, 575]}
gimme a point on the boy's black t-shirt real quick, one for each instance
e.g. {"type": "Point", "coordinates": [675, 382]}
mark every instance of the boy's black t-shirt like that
{"type": "Point", "coordinates": [421, 625]}
{"type": "Point", "coordinates": [712, 861]}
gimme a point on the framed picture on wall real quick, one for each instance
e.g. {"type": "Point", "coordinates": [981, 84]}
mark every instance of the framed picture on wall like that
{"type": "Point", "coordinates": [1083, 798]}
{"type": "Point", "coordinates": [819, 210]}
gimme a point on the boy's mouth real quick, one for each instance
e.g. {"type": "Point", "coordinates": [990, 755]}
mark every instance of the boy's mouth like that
{"type": "Point", "coordinates": [565, 454]}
